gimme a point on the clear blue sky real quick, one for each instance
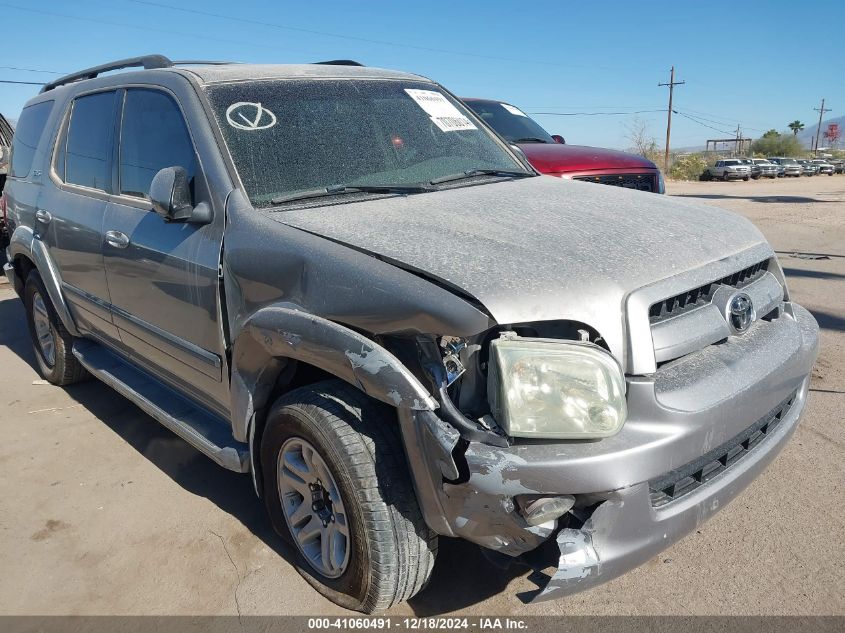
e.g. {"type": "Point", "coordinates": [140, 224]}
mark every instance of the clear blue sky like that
{"type": "Point", "coordinates": [760, 64]}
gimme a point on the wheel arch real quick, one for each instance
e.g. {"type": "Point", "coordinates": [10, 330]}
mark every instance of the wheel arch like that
{"type": "Point", "coordinates": [28, 252]}
{"type": "Point", "coordinates": [262, 366]}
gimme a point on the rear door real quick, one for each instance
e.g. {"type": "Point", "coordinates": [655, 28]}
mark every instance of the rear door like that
{"type": "Point", "coordinates": [74, 208]}
{"type": "Point", "coordinates": [163, 276]}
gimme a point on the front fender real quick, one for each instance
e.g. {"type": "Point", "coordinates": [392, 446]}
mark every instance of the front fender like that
{"type": "Point", "coordinates": [24, 243]}
{"type": "Point", "coordinates": [280, 331]}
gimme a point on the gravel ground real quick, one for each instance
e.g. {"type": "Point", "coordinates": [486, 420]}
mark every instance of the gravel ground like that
{"type": "Point", "coordinates": [102, 511]}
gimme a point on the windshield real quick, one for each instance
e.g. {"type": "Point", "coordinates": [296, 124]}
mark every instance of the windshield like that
{"type": "Point", "coordinates": [296, 136]}
{"type": "Point", "coordinates": [511, 122]}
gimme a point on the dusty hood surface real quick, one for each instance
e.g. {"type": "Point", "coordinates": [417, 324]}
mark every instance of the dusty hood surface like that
{"type": "Point", "coordinates": [539, 248]}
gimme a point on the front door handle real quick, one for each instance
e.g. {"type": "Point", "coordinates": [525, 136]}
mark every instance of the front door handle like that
{"type": "Point", "coordinates": [43, 216]}
{"type": "Point", "coordinates": [117, 239]}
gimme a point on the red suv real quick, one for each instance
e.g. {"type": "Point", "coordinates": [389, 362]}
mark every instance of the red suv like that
{"type": "Point", "coordinates": [550, 155]}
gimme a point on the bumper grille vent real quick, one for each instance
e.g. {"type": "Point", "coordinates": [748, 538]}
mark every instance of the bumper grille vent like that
{"type": "Point", "coordinates": [687, 478]}
{"type": "Point", "coordinates": [640, 182]}
{"type": "Point", "coordinates": [702, 295]}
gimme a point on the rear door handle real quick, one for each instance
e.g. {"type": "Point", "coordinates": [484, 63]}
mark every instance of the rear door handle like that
{"type": "Point", "coordinates": [117, 239]}
{"type": "Point", "coordinates": [43, 216]}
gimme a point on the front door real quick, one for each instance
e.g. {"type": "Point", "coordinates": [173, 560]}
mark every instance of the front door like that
{"type": "Point", "coordinates": [163, 276]}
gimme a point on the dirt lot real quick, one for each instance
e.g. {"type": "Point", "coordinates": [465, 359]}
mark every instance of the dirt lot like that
{"type": "Point", "coordinates": [102, 511]}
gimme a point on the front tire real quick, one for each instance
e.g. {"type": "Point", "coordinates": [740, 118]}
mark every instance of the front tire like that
{"type": "Point", "coordinates": [52, 343]}
{"type": "Point", "coordinates": [337, 488]}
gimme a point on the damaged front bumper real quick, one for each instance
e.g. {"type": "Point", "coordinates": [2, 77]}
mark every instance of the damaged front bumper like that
{"type": "Point", "coordinates": [696, 436]}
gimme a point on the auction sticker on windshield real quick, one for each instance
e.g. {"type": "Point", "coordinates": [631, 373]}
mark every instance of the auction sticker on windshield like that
{"type": "Point", "coordinates": [442, 113]}
{"type": "Point", "coordinates": [513, 110]}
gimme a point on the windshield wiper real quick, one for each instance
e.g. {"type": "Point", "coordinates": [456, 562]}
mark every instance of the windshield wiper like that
{"type": "Point", "coordinates": [472, 173]}
{"type": "Point", "coordinates": [530, 139]}
{"type": "Point", "coordinates": [334, 190]}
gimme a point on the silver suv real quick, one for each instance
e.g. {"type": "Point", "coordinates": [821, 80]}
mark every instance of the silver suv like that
{"type": "Point", "coordinates": [338, 280]}
{"type": "Point", "coordinates": [790, 166]}
{"type": "Point", "coordinates": [823, 166]}
{"type": "Point", "coordinates": [729, 169]}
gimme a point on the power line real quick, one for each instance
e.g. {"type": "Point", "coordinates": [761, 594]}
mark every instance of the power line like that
{"type": "Point", "coordinates": [28, 83]}
{"type": "Point", "coordinates": [356, 38]}
{"type": "Point", "coordinates": [672, 83]}
{"type": "Point", "coordinates": [595, 113]}
{"type": "Point", "coordinates": [183, 33]}
{"type": "Point", "coordinates": [724, 121]}
{"type": "Point", "coordinates": [700, 123]}
{"type": "Point", "coordinates": [32, 70]}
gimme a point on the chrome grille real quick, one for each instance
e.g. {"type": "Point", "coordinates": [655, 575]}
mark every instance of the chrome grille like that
{"type": "Point", "coordinates": [640, 182]}
{"type": "Point", "coordinates": [681, 481]}
{"type": "Point", "coordinates": [702, 295]}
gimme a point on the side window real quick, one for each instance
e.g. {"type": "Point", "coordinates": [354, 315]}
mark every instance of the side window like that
{"type": "Point", "coordinates": [85, 158]}
{"type": "Point", "coordinates": [153, 136]}
{"type": "Point", "coordinates": [27, 134]}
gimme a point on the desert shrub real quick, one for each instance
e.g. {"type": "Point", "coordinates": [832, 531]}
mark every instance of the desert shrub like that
{"type": "Point", "coordinates": [688, 167]}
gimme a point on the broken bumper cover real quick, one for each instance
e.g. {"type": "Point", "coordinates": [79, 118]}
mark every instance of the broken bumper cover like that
{"type": "Point", "coordinates": [626, 530]}
{"type": "Point", "coordinates": [676, 417]}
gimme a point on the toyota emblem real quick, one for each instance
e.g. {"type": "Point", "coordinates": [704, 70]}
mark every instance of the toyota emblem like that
{"type": "Point", "coordinates": [740, 312]}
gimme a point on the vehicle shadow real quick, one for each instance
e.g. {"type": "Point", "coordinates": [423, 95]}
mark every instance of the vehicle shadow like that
{"type": "Point", "coordinates": [462, 575]}
{"type": "Point", "coordinates": [769, 199]}
{"type": "Point", "coordinates": [829, 321]}
{"type": "Point", "coordinates": [812, 274]}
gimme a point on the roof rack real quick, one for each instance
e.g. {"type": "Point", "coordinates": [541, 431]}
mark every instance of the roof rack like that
{"type": "Point", "coordinates": [149, 62]}
{"type": "Point", "coordinates": [340, 62]}
{"type": "Point", "coordinates": [146, 61]}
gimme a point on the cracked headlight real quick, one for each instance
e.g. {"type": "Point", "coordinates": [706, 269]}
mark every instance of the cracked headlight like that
{"type": "Point", "coordinates": [549, 388]}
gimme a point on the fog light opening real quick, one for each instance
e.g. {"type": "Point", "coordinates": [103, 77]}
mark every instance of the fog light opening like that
{"type": "Point", "coordinates": [537, 510]}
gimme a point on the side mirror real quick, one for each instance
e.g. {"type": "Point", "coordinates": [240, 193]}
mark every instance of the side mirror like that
{"type": "Point", "coordinates": [559, 139]}
{"type": "Point", "coordinates": [170, 195]}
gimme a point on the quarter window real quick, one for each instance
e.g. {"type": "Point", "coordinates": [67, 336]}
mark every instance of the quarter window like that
{"type": "Point", "coordinates": [86, 158]}
{"type": "Point", "coordinates": [28, 133]}
{"type": "Point", "coordinates": [153, 136]}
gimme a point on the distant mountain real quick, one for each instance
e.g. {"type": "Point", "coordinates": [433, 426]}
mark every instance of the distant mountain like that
{"type": "Point", "coordinates": [808, 135]}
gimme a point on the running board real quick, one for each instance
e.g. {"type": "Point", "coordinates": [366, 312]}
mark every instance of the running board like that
{"type": "Point", "coordinates": [204, 431]}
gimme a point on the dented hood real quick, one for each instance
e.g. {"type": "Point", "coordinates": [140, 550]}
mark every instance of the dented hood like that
{"type": "Point", "coordinates": [537, 248]}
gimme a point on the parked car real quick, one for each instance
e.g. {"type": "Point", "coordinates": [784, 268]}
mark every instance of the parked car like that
{"type": "Point", "coordinates": [807, 167]}
{"type": "Point", "coordinates": [762, 168]}
{"type": "Point", "coordinates": [728, 169]}
{"type": "Point", "coordinates": [549, 154]}
{"type": "Point", "coordinates": [406, 332]}
{"type": "Point", "coordinates": [6, 133]}
{"type": "Point", "coordinates": [823, 166]}
{"type": "Point", "coordinates": [790, 166]}
{"type": "Point", "coordinates": [839, 165]}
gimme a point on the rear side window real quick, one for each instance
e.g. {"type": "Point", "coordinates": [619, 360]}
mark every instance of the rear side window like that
{"type": "Point", "coordinates": [153, 136]}
{"type": "Point", "coordinates": [85, 157]}
{"type": "Point", "coordinates": [27, 134]}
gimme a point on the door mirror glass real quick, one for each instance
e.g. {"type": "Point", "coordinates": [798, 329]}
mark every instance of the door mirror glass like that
{"type": "Point", "coordinates": [170, 194]}
{"type": "Point", "coordinates": [559, 139]}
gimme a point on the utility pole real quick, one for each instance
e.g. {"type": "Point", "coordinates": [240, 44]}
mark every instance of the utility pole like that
{"type": "Point", "coordinates": [672, 83]}
{"type": "Point", "coordinates": [738, 142]}
{"type": "Point", "coordinates": [821, 112]}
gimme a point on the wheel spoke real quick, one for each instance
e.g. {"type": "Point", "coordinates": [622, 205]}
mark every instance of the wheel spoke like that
{"type": "Point", "coordinates": [340, 524]}
{"type": "Point", "coordinates": [295, 462]}
{"type": "Point", "coordinates": [309, 531]}
{"type": "Point", "coordinates": [337, 546]}
{"type": "Point", "coordinates": [301, 513]}
{"type": "Point", "coordinates": [325, 548]}
{"type": "Point", "coordinates": [292, 480]}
